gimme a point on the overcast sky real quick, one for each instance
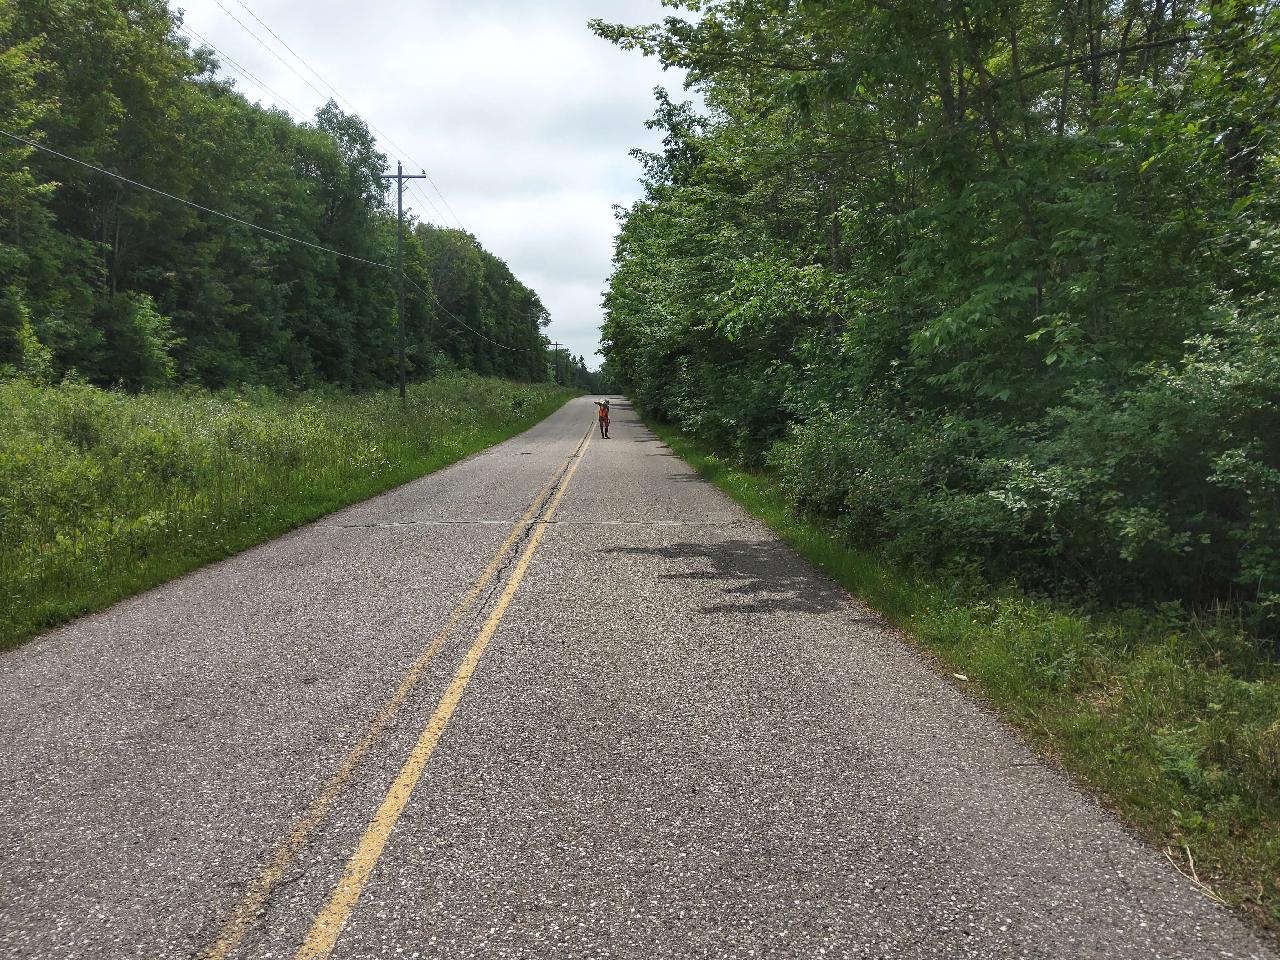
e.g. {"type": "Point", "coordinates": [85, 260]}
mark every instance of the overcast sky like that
{"type": "Point", "coordinates": [522, 117]}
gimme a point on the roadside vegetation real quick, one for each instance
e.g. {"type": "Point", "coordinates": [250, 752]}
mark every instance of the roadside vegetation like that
{"type": "Point", "coordinates": [131, 288]}
{"type": "Point", "coordinates": [995, 288]}
{"type": "Point", "coordinates": [1173, 721]}
{"type": "Point", "coordinates": [103, 494]}
{"type": "Point", "coordinates": [977, 303]}
{"type": "Point", "coordinates": [175, 385]}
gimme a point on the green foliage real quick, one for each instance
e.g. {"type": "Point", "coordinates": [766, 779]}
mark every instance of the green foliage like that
{"type": "Point", "coordinates": [992, 288]}
{"type": "Point", "coordinates": [572, 372]}
{"type": "Point", "coordinates": [127, 287]}
{"type": "Point", "coordinates": [987, 293]}
{"type": "Point", "coordinates": [103, 494]}
{"type": "Point", "coordinates": [1175, 720]}
{"type": "Point", "coordinates": [141, 342]}
{"type": "Point", "coordinates": [32, 359]}
{"type": "Point", "coordinates": [489, 321]}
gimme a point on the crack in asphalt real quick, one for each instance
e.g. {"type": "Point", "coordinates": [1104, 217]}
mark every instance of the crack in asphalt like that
{"type": "Point", "coordinates": [582, 523]}
{"type": "Point", "coordinates": [517, 548]}
{"type": "Point", "coordinates": [427, 522]}
{"type": "Point", "coordinates": [378, 738]}
{"type": "Point", "coordinates": [685, 742]}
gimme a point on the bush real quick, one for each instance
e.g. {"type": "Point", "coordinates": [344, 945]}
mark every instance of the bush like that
{"type": "Point", "coordinates": [1168, 489]}
{"type": "Point", "coordinates": [1175, 719]}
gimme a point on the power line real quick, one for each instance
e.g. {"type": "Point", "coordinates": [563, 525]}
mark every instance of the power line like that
{"type": "Point", "coordinates": [453, 316]}
{"type": "Point", "coordinates": [191, 203]}
{"type": "Point", "coordinates": [382, 133]}
{"type": "Point", "coordinates": [421, 196]}
{"type": "Point", "coordinates": [243, 71]}
{"type": "Point", "coordinates": [296, 55]}
{"type": "Point", "coordinates": [316, 73]}
{"type": "Point", "coordinates": [425, 197]}
{"type": "Point", "coordinates": [456, 218]}
{"type": "Point", "coordinates": [266, 47]}
{"type": "Point", "coordinates": [425, 200]}
{"type": "Point", "coordinates": [254, 79]}
{"type": "Point", "coordinates": [253, 226]}
{"type": "Point", "coordinates": [246, 75]}
{"type": "Point", "coordinates": [462, 323]}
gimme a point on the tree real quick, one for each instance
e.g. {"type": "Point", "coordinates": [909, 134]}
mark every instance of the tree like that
{"type": "Point", "coordinates": [126, 286]}
{"type": "Point", "coordinates": [955, 271]}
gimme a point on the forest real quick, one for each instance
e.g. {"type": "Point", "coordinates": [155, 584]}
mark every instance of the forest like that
{"type": "Point", "coordinates": [123, 286]}
{"type": "Point", "coordinates": [990, 287]}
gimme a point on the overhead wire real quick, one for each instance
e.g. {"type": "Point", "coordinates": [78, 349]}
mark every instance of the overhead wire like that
{"type": "Point", "coordinates": [449, 313]}
{"type": "Point", "coordinates": [267, 47]}
{"type": "Point", "coordinates": [243, 71]}
{"type": "Point", "coordinates": [443, 198]}
{"type": "Point", "coordinates": [191, 203]}
{"type": "Point", "coordinates": [254, 226]}
{"type": "Point", "coordinates": [422, 198]}
{"type": "Point", "coordinates": [382, 133]}
{"type": "Point", "coordinates": [319, 76]}
{"type": "Point", "coordinates": [252, 78]}
{"type": "Point", "coordinates": [294, 53]}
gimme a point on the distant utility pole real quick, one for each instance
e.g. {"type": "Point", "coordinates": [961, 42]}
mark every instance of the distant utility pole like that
{"type": "Point", "coordinates": [400, 177]}
{"type": "Point", "coordinates": [555, 352]}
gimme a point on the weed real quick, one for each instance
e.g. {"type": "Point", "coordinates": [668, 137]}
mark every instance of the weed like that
{"type": "Point", "coordinates": [103, 494]}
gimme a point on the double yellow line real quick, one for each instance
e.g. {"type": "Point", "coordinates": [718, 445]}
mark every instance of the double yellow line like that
{"type": "Point", "coordinates": [328, 924]}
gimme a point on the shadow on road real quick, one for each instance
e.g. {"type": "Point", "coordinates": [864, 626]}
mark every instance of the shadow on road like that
{"type": "Point", "coordinates": [662, 451]}
{"type": "Point", "coordinates": [753, 577]}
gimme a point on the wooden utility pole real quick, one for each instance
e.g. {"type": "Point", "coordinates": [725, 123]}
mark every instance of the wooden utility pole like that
{"type": "Point", "coordinates": [400, 177]}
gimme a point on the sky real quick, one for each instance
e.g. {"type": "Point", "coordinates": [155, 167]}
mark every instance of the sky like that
{"type": "Point", "coordinates": [522, 117]}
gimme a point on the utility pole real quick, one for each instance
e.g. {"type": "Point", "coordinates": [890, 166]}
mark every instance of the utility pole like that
{"type": "Point", "coordinates": [535, 344]}
{"type": "Point", "coordinates": [555, 352]}
{"type": "Point", "coordinates": [400, 177]}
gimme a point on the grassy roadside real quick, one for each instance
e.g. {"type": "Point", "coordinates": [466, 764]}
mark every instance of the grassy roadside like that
{"type": "Point", "coordinates": [104, 494]}
{"type": "Point", "coordinates": [1175, 724]}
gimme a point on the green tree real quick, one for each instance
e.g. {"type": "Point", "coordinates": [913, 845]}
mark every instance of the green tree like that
{"type": "Point", "coordinates": [126, 286]}
{"type": "Point", "coordinates": [959, 272]}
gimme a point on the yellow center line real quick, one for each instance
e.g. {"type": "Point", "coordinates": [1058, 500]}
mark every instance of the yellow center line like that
{"type": "Point", "coordinates": [324, 932]}
{"type": "Point", "coordinates": [247, 913]}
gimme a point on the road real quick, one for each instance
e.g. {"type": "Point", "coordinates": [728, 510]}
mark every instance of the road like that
{"type": "Point", "coordinates": [563, 698]}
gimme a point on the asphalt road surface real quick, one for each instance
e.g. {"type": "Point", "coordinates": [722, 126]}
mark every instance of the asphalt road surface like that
{"type": "Point", "coordinates": [562, 699]}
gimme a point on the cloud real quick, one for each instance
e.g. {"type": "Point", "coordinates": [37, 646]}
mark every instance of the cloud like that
{"type": "Point", "coordinates": [522, 117]}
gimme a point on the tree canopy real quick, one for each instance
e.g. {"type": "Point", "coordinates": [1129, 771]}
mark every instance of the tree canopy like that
{"type": "Point", "coordinates": [991, 284]}
{"type": "Point", "coordinates": [126, 286]}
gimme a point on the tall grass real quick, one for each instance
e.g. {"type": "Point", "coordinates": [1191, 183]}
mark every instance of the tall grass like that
{"type": "Point", "coordinates": [103, 494]}
{"type": "Point", "coordinates": [1173, 722]}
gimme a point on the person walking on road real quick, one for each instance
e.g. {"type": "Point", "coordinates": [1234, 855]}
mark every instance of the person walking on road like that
{"type": "Point", "coordinates": [602, 412]}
